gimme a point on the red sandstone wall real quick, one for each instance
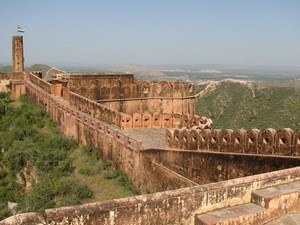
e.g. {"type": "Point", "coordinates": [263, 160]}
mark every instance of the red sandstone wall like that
{"type": "Point", "coordinates": [123, 120]}
{"type": "Point", "coordinates": [207, 167]}
{"type": "Point", "coordinates": [181, 105]}
{"type": "Point", "coordinates": [123, 86]}
{"type": "Point", "coordinates": [112, 145]}
{"type": "Point", "coordinates": [94, 109]}
{"type": "Point", "coordinates": [172, 207]}
{"type": "Point", "coordinates": [46, 86]}
{"type": "Point", "coordinates": [101, 86]}
{"type": "Point", "coordinates": [17, 88]}
{"type": "Point", "coordinates": [283, 142]}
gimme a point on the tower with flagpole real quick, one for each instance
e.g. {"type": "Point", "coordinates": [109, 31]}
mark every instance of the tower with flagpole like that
{"type": "Point", "coordinates": [17, 51]}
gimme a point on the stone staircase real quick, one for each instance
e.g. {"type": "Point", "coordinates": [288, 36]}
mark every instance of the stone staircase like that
{"type": "Point", "coordinates": [266, 205]}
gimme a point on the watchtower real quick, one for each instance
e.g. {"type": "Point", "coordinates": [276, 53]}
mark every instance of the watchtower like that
{"type": "Point", "coordinates": [17, 54]}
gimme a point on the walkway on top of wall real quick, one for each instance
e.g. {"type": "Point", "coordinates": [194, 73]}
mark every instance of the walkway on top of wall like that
{"type": "Point", "coordinates": [151, 137]}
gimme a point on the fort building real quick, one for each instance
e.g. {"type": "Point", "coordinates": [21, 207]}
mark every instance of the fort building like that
{"type": "Point", "coordinates": [197, 175]}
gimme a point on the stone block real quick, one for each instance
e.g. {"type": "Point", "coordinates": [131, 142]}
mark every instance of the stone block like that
{"type": "Point", "coordinates": [283, 142]}
{"type": "Point", "coordinates": [136, 121]}
{"type": "Point", "coordinates": [238, 140]}
{"type": "Point", "coordinates": [185, 120]}
{"type": "Point", "coordinates": [166, 120]}
{"type": "Point", "coordinates": [266, 142]}
{"type": "Point", "coordinates": [177, 138]}
{"type": "Point", "coordinates": [226, 140]}
{"type": "Point", "coordinates": [194, 121]}
{"type": "Point", "coordinates": [104, 92]}
{"type": "Point", "coordinates": [278, 200]}
{"type": "Point", "coordinates": [246, 214]}
{"type": "Point", "coordinates": [125, 92]}
{"type": "Point", "coordinates": [156, 120]}
{"type": "Point", "coordinates": [214, 140]}
{"type": "Point", "coordinates": [176, 120]}
{"type": "Point", "coordinates": [296, 143]}
{"type": "Point", "coordinates": [146, 120]}
{"type": "Point", "coordinates": [203, 139]}
{"type": "Point", "coordinates": [169, 138]}
{"type": "Point", "coordinates": [186, 138]}
{"type": "Point", "coordinates": [166, 89]}
{"type": "Point", "coordinates": [194, 139]}
{"type": "Point", "coordinates": [251, 144]}
{"type": "Point", "coordinates": [126, 121]}
{"type": "Point", "coordinates": [115, 92]}
{"type": "Point", "coordinates": [114, 118]}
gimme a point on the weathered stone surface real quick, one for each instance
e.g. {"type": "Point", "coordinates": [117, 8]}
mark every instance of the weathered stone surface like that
{"type": "Point", "coordinates": [252, 139]}
{"type": "Point", "coordinates": [17, 54]}
{"type": "Point", "coordinates": [24, 219]}
{"type": "Point", "coordinates": [245, 214]}
{"type": "Point", "coordinates": [239, 140]}
{"type": "Point", "coordinates": [283, 142]}
{"type": "Point", "coordinates": [266, 141]}
{"type": "Point", "coordinates": [278, 200]}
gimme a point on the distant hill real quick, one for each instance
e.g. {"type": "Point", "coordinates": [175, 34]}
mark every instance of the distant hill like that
{"type": "Point", "coordinates": [5, 68]}
{"type": "Point", "coordinates": [237, 105]}
{"type": "Point", "coordinates": [45, 69]}
{"type": "Point", "coordinates": [35, 67]}
{"type": "Point", "coordinates": [141, 71]}
{"type": "Point", "coordinates": [38, 67]}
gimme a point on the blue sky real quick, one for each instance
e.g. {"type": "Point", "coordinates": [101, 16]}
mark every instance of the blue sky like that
{"type": "Point", "coordinates": [91, 32]}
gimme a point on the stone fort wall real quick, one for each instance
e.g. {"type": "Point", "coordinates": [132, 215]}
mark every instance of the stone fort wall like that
{"type": "Point", "coordinates": [123, 86]}
{"type": "Point", "coordinates": [150, 169]}
{"type": "Point", "coordinates": [140, 119]}
{"type": "Point", "coordinates": [284, 142]}
{"type": "Point", "coordinates": [159, 170]}
{"type": "Point", "coordinates": [121, 92]}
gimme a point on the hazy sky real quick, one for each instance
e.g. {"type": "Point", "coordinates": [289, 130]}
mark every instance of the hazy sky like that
{"type": "Point", "coordinates": [90, 32]}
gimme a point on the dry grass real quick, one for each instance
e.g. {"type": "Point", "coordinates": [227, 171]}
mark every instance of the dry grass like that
{"type": "Point", "coordinates": [103, 188]}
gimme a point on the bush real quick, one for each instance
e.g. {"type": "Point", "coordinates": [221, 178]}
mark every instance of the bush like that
{"type": "Point", "coordinates": [54, 191]}
{"type": "Point", "coordinates": [25, 145]}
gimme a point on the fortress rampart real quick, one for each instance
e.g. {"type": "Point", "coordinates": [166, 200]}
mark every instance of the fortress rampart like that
{"type": "Point", "coordinates": [267, 142]}
{"type": "Point", "coordinates": [145, 165]}
{"type": "Point", "coordinates": [105, 86]}
{"type": "Point", "coordinates": [193, 159]}
{"type": "Point", "coordinates": [158, 170]}
{"type": "Point", "coordinates": [181, 105]}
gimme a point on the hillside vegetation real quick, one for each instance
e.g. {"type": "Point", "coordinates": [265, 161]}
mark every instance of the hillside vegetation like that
{"type": "Point", "coordinates": [236, 105]}
{"type": "Point", "coordinates": [41, 168]}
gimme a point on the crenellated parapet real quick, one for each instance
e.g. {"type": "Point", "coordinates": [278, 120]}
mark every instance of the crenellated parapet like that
{"type": "Point", "coordinates": [161, 120]}
{"type": "Point", "coordinates": [76, 122]}
{"type": "Point", "coordinates": [105, 86]}
{"type": "Point", "coordinates": [285, 142]}
{"type": "Point", "coordinates": [95, 109]}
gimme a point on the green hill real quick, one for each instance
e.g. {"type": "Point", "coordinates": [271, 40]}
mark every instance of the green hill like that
{"type": "Point", "coordinates": [38, 67]}
{"type": "Point", "coordinates": [236, 105]}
